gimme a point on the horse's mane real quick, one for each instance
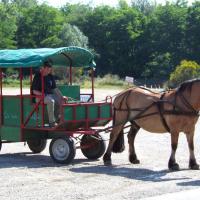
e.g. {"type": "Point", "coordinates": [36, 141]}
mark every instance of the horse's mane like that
{"type": "Point", "coordinates": [187, 85]}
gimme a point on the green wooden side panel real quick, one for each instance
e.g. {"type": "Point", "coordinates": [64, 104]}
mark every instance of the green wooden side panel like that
{"type": "Point", "coordinates": [72, 91]}
{"type": "Point", "coordinates": [105, 111]}
{"type": "Point", "coordinates": [80, 113]}
{"type": "Point", "coordinates": [11, 111]}
{"type": "Point", "coordinates": [27, 108]}
{"type": "Point", "coordinates": [68, 113]}
{"type": "Point", "coordinates": [10, 133]}
{"type": "Point", "coordinates": [94, 113]}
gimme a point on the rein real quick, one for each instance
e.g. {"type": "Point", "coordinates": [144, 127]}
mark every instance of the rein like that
{"type": "Point", "coordinates": [177, 110]}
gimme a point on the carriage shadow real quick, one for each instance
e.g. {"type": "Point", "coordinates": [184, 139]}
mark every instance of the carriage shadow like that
{"type": "Point", "coordinates": [126, 172]}
{"type": "Point", "coordinates": [30, 160]}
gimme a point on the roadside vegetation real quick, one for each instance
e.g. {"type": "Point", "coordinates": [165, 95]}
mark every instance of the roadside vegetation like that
{"type": "Point", "coordinates": [108, 81]}
{"type": "Point", "coordinates": [143, 40]}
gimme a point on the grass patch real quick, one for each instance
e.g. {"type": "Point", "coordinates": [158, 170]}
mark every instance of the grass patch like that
{"type": "Point", "coordinates": [108, 81]}
{"type": "Point", "coordinates": [15, 83]}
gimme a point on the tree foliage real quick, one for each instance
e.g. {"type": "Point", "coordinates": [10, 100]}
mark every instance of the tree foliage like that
{"type": "Point", "coordinates": [185, 71]}
{"type": "Point", "coordinates": [144, 40]}
{"type": "Point", "coordinates": [8, 25]}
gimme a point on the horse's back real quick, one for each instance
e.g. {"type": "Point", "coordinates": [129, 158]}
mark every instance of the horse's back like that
{"type": "Point", "coordinates": [136, 97]}
{"type": "Point", "coordinates": [139, 100]}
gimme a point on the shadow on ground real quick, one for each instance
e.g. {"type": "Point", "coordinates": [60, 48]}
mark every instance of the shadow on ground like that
{"type": "Point", "coordinates": [127, 172]}
{"type": "Point", "coordinates": [190, 183]}
{"type": "Point", "coordinates": [30, 160]}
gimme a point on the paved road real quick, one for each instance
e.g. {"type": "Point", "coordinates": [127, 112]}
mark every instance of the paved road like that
{"type": "Point", "coordinates": [27, 176]}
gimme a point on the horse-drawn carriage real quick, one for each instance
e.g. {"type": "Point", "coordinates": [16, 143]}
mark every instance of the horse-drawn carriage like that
{"type": "Point", "coordinates": [21, 120]}
{"type": "Point", "coordinates": [173, 111]}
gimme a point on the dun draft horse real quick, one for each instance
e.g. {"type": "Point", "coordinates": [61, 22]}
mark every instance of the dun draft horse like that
{"type": "Point", "coordinates": [173, 111]}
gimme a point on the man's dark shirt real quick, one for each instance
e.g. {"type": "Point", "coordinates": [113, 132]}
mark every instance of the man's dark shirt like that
{"type": "Point", "coordinates": [49, 83]}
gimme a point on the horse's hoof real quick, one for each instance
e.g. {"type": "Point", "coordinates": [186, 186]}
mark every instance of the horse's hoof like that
{"type": "Point", "coordinates": [174, 167]}
{"type": "Point", "coordinates": [107, 162]}
{"type": "Point", "coordinates": [134, 160]}
{"type": "Point", "coordinates": [194, 167]}
{"type": "Point", "coordinates": [107, 159]}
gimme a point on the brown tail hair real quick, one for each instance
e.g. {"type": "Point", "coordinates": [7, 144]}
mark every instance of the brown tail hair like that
{"type": "Point", "coordinates": [119, 146]}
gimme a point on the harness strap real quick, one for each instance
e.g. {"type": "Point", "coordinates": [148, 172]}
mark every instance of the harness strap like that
{"type": "Point", "coordinates": [161, 109]}
{"type": "Point", "coordinates": [187, 104]}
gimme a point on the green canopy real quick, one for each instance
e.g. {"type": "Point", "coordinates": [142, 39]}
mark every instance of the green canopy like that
{"type": "Point", "coordinates": [64, 56]}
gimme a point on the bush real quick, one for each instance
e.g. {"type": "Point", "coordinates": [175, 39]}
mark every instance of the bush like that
{"type": "Point", "coordinates": [107, 81]}
{"type": "Point", "coordinates": [185, 71]}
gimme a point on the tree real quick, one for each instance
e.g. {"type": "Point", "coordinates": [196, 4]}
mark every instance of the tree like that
{"type": "Point", "coordinates": [159, 67]}
{"type": "Point", "coordinates": [69, 35]}
{"type": "Point", "coordinates": [76, 14]}
{"type": "Point", "coordinates": [24, 4]}
{"type": "Point", "coordinates": [7, 26]}
{"type": "Point", "coordinates": [165, 33]}
{"type": "Point", "coordinates": [192, 32]}
{"type": "Point", "coordinates": [144, 6]}
{"type": "Point", "coordinates": [185, 71]}
{"type": "Point", "coordinates": [37, 25]}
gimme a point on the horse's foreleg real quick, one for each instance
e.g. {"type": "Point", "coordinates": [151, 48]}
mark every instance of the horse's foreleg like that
{"type": "Point", "coordinates": [113, 137]}
{"type": "Point", "coordinates": [192, 160]}
{"type": "Point", "coordinates": [172, 165]}
{"type": "Point", "coordinates": [131, 138]}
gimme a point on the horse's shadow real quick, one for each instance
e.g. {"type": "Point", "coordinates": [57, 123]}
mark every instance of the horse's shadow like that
{"type": "Point", "coordinates": [190, 183]}
{"type": "Point", "coordinates": [127, 172]}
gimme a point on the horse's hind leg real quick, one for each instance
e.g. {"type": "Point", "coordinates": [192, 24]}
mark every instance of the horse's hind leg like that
{"type": "Point", "coordinates": [172, 165]}
{"type": "Point", "coordinates": [192, 161]}
{"type": "Point", "coordinates": [131, 138]}
{"type": "Point", "coordinates": [113, 137]}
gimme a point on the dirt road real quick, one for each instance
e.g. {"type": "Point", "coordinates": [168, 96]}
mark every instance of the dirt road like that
{"type": "Point", "coordinates": [24, 175]}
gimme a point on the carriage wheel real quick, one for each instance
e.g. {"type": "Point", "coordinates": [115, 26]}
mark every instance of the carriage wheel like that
{"type": "Point", "coordinates": [62, 150]}
{"type": "Point", "coordinates": [92, 146]}
{"type": "Point", "coordinates": [37, 145]}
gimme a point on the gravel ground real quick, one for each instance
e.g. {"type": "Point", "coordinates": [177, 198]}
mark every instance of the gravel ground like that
{"type": "Point", "coordinates": [25, 175]}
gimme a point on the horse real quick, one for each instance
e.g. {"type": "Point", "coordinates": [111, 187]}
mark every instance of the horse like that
{"type": "Point", "coordinates": [173, 111]}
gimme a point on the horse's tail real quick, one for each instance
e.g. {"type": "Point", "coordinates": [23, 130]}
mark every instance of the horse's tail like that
{"type": "Point", "coordinates": [119, 146]}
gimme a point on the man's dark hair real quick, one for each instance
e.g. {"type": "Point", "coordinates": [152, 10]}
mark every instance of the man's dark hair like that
{"type": "Point", "coordinates": [47, 64]}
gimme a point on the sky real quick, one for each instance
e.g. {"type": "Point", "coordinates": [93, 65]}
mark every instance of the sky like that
{"type": "Point", "coordinates": [59, 3]}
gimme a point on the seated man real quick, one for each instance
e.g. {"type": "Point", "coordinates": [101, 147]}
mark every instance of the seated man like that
{"type": "Point", "coordinates": [51, 99]}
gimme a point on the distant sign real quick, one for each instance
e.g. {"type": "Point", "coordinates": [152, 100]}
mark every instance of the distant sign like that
{"type": "Point", "coordinates": [129, 79]}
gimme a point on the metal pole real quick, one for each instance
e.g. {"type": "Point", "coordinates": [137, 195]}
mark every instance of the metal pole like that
{"type": "Point", "coordinates": [92, 76]}
{"type": "Point", "coordinates": [31, 78]}
{"type": "Point", "coordinates": [1, 119]}
{"type": "Point", "coordinates": [42, 78]}
{"type": "Point", "coordinates": [21, 105]}
{"type": "Point", "coordinates": [70, 74]}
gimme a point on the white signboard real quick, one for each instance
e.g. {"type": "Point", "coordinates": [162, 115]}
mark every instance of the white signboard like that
{"type": "Point", "coordinates": [129, 79]}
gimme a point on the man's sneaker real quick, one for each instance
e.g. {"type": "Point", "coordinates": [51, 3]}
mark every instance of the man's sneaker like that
{"type": "Point", "coordinates": [52, 124]}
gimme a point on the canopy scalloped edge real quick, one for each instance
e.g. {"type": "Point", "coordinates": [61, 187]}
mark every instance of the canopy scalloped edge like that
{"type": "Point", "coordinates": [64, 56]}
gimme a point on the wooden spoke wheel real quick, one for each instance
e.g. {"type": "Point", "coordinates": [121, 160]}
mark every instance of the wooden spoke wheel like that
{"type": "Point", "coordinates": [37, 145]}
{"type": "Point", "coordinates": [62, 150]}
{"type": "Point", "coordinates": [92, 146]}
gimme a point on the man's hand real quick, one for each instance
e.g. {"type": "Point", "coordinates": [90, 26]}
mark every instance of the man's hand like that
{"type": "Point", "coordinates": [65, 99]}
{"type": "Point", "coordinates": [36, 92]}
